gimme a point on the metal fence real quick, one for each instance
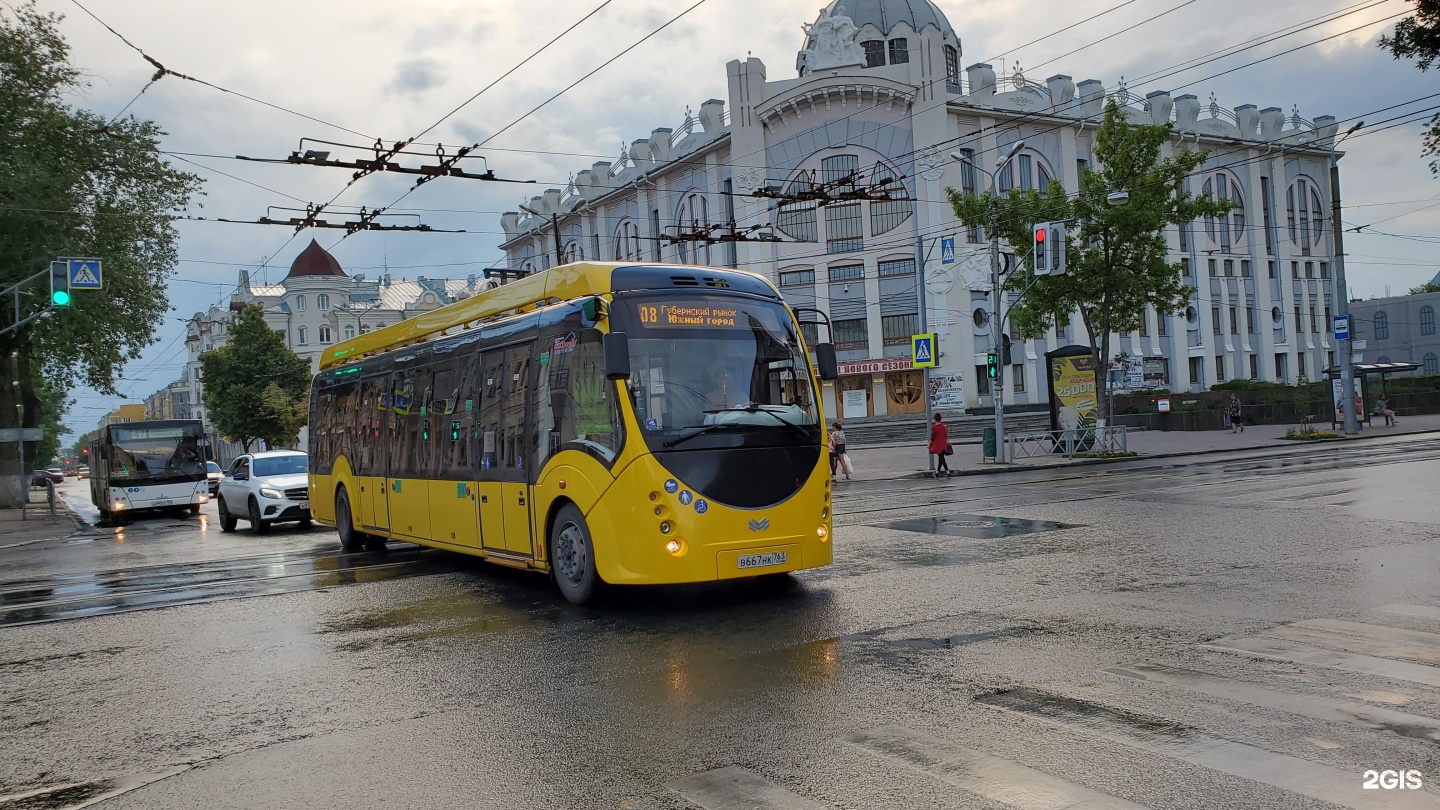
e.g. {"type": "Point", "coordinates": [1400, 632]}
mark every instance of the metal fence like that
{"type": "Point", "coordinates": [1068, 443]}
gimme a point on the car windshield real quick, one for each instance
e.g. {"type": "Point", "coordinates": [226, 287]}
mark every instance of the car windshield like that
{"type": "Point", "coordinates": [148, 454]}
{"type": "Point", "coordinates": [211, 466]}
{"type": "Point", "coordinates": [732, 366]}
{"type": "Point", "coordinates": [278, 465]}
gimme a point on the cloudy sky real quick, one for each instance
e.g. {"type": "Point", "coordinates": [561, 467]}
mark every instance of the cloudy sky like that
{"type": "Point", "coordinates": [388, 70]}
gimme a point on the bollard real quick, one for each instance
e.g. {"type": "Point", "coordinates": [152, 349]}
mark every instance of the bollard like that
{"type": "Point", "coordinates": [50, 495]}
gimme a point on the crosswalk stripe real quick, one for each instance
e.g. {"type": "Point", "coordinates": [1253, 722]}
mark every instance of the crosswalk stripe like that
{"type": "Point", "coordinates": [1362, 715]}
{"type": "Point", "coordinates": [1350, 642]}
{"type": "Point", "coordinates": [977, 772]}
{"type": "Point", "coordinates": [1198, 748]}
{"type": "Point", "coordinates": [1283, 650]}
{"type": "Point", "coordinates": [1397, 635]}
{"type": "Point", "coordinates": [735, 788]}
{"type": "Point", "coordinates": [1419, 611]}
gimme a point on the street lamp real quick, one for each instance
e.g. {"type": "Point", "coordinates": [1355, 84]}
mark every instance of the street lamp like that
{"type": "Point", "coordinates": [1342, 301]}
{"type": "Point", "coordinates": [1117, 197]}
{"type": "Point", "coordinates": [997, 313]}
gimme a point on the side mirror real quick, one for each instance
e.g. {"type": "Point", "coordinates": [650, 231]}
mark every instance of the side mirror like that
{"type": "Point", "coordinates": [825, 362]}
{"type": "Point", "coordinates": [617, 355]}
{"type": "Point", "coordinates": [209, 453]}
{"type": "Point", "coordinates": [240, 476]}
{"type": "Point", "coordinates": [105, 451]}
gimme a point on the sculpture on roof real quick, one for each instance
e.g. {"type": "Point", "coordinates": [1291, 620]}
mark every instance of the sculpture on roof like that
{"type": "Point", "coordinates": [832, 43]}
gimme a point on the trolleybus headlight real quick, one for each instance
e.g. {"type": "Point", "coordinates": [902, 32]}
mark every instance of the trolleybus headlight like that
{"type": "Point", "coordinates": [822, 532]}
{"type": "Point", "coordinates": [673, 546]}
{"type": "Point", "coordinates": [664, 527]}
{"type": "Point", "coordinates": [267, 492]}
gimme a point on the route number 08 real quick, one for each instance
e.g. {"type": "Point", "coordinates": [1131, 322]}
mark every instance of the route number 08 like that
{"type": "Point", "coordinates": [649, 315]}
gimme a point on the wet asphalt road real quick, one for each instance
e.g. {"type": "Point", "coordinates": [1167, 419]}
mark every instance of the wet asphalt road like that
{"type": "Point", "coordinates": [1250, 630]}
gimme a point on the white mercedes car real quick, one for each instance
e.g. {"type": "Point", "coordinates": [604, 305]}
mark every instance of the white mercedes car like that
{"type": "Point", "coordinates": [265, 488]}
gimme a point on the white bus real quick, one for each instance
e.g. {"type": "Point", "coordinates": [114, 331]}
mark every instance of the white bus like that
{"type": "Point", "coordinates": [157, 464]}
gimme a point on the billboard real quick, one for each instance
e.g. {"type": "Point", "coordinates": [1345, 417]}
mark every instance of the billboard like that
{"type": "Point", "coordinates": [1074, 388]}
{"type": "Point", "coordinates": [946, 390]}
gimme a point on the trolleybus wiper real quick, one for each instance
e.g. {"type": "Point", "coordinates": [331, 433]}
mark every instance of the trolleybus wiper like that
{"type": "Point", "coordinates": [698, 431]}
{"type": "Point", "coordinates": [799, 431]}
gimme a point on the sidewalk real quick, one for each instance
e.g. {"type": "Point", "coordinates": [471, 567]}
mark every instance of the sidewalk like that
{"type": "Point", "coordinates": [891, 461]}
{"type": "Point", "coordinates": [41, 526]}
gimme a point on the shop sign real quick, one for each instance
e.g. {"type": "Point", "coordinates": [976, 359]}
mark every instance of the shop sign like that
{"type": "Point", "coordinates": [876, 366]}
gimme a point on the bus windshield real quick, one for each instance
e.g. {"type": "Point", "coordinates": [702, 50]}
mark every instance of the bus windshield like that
{"type": "Point", "coordinates": [156, 454]}
{"type": "Point", "coordinates": [729, 369]}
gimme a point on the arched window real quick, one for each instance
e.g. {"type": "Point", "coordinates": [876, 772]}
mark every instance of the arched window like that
{"type": "Point", "coordinates": [797, 219]}
{"type": "Point", "coordinates": [1227, 231]}
{"type": "Point", "coordinates": [349, 333]}
{"type": "Point", "coordinates": [627, 242]}
{"type": "Point", "coordinates": [1382, 326]}
{"type": "Point", "coordinates": [325, 336]}
{"type": "Point", "coordinates": [1384, 358]}
{"type": "Point", "coordinates": [952, 65]}
{"type": "Point", "coordinates": [528, 268]}
{"type": "Point", "coordinates": [887, 216]}
{"type": "Point", "coordinates": [300, 303]}
{"type": "Point", "coordinates": [1305, 214]}
{"type": "Point", "coordinates": [573, 251]}
{"type": "Point", "coordinates": [1427, 320]}
{"type": "Point", "coordinates": [693, 215]}
{"type": "Point", "coordinates": [322, 301]}
{"type": "Point", "coordinates": [1432, 364]}
{"type": "Point", "coordinates": [1028, 170]}
{"type": "Point", "coordinates": [364, 328]}
{"type": "Point", "coordinates": [304, 335]}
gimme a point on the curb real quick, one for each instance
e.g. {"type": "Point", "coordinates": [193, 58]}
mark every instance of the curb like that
{"type": "Point", "coordinates": [1087, 462]}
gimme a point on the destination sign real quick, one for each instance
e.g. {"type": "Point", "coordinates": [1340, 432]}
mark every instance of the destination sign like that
{"type": "Point", "coordinates": [691, 315]}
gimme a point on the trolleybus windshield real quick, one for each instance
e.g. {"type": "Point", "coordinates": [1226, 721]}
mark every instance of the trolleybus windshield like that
{"type": "Point", "coordinates": [730, 369]}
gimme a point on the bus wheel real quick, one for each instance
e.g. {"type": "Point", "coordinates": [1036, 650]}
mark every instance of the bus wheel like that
{"type": "Point", "coordinates": [194, 508]}
{"type": "Point", "coordinates": [572, 556]}
{"type": "Point", "coordinates": [350, 540]}
{"type": "Point", "coordinates": [260, 526]}
{"type": "Point", "coordinates": [227, 520]}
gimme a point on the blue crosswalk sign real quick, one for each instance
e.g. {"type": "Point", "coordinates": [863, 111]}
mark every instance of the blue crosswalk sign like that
{"type": "Point", "coordinates": [947, 250]}
{"type": "Point", "coordinates": [85, 274]}
{"type": "Point", "coordinates": [922, 350]}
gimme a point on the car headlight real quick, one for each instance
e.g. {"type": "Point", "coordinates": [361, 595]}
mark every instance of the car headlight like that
{"type": "Point", "coordinates": [267, 492]}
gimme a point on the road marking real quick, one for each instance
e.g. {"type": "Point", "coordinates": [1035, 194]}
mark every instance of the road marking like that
{"type": "Point", "coordinates": [1422, 611]}
{"type": "Point", "coordinates": [1397, 635]}
{"type": "Point", "coordinates": [1319, 708]}
{"type": "Point", "coordinates": [1281, 650]}
{"type": "Point", "coordinates": [977, 772]}
{"type": "Point", "coordinates": [1355, 644]}
{"type": "Point", "coordinates": [735, 788]}
{"type": "Point", "coordinates": [1173, 740]}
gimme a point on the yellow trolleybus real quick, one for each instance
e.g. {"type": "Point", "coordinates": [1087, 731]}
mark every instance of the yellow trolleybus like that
{"type": "Point", "coordinates": [601, 422]}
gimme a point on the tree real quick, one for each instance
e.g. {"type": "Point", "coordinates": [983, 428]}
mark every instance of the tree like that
{"type": "Point", "coordinates": [1427, 287]}
{"type": "Point", "coordinates": [73, 184]}
{"type": "Point", "coordinates": [1116, 255]}
{"type": "Point", "coordinates": [1418, 38]}
{"type": "Point", "coordinates": [255, 387]}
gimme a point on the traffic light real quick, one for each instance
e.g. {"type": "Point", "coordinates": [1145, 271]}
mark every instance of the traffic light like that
{"type": "Point", "coordinates": [1040, 250]}
{"type": "Point", "coordinates": [59, 284]}
{"type": "Point", "coordinates": [1048, 248]}
{"type": "Point", "coordinates": [992, 365]}
{"type": "Point", "coordinates": [1005, 352]}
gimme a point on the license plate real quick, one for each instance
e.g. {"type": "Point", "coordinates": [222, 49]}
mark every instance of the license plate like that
{"type": "Point", "coordinates": [164, 503]}
{"type": "Point", "coordinates": [760, 560]}
{"type": "Point", "coordinates": [304, 504]}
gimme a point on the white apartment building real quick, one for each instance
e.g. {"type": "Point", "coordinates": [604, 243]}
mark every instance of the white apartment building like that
{"type": "Point", "coordinates": [880, 92]}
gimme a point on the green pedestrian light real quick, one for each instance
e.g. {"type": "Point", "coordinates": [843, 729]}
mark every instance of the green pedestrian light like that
{"type": "Point", "coordinates": [59, 284]}
{"type": "Point", "coordinates": [992, 365]}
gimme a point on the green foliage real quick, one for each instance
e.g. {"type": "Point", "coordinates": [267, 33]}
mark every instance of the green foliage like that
{"type": "Point", "coordinates": [1427, 287]}
{"type": "Point", "coordinates": [1246, 385]}
{"type": "Point", "coordinates": [255, 387]}
{"type": "Point", "coordinates": [73, 184]}
{"type": "Point", "coordinates": [1308, 433]}
{"type": "Point", "coordinates": [1116, 255]}
{"type": "Point", "coordinates": [1418, 38]}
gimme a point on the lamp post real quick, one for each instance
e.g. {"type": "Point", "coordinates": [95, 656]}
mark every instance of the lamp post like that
{"type": "Point", "coordinates": [997, 312]}
{"type": "Point", "coordinates": [1342, 301]}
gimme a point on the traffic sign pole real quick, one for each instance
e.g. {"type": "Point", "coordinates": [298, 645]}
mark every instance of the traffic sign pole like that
{"type": "Point", "coordinates": [920, 258]}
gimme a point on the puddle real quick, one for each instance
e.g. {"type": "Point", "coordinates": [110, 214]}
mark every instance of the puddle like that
{"type": "Point", "coordinates": [951, 642]}
{"type": "Point", "coordinates": [975, 527]}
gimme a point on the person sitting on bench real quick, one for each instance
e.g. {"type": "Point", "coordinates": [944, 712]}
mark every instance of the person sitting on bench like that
{"type": "Point", "coordinates": [1382, 408]}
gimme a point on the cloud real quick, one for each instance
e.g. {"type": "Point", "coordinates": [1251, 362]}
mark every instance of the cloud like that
{"type": "Point", "coordinates": [418, 75]}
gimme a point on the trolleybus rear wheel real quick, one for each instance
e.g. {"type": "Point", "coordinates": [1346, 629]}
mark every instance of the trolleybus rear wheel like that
{"type": "Point", "coordinates": [572, 556]}
{"type": "Point", "coordinates": [350, 540]}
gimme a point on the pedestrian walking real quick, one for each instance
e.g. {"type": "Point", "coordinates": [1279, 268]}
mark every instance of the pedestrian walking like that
{"type": "Point", "coordinates": [1233, 412]}
{"type": "Point", "coordinates": [837, 440]}
{"type": "Point", "coordinates": [940, 446]}
{"type": "Point", "coordinates": [834, 456]}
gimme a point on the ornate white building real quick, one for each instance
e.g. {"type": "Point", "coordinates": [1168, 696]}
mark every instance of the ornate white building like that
{"type": "Point", "coordinates": [880, 94]}
{"type": "Point", "coordinates": [315, 305]}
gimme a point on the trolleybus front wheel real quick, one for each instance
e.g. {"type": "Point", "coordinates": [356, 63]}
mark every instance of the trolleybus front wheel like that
{"type": "Point", "coordinates": [572, 556]}
{"type": "Point", "coordinates": [350, 540]}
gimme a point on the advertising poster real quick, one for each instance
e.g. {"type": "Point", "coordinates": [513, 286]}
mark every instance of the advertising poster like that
{"type": "Point", "coordinates": [853, 404]}
{"type": "Point", "coordinates": [946, 391]}
{"type": "Point", "coordinates": [1335, 397]}
{"type": "Point", "coordinates": [1073, 386]}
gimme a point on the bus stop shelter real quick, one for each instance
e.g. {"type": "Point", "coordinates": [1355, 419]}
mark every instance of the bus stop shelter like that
{"type": "Point", "coordinates": [1364, 371]}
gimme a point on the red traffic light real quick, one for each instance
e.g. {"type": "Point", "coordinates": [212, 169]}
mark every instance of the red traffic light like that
{"type": "Point", "coordinates": [1039, 234]}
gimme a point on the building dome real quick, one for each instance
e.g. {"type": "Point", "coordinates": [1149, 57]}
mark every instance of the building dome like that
{"type": "Point", "coordinates": [315, 261]}
{"type": "Point", "coordinates": [885, 14]}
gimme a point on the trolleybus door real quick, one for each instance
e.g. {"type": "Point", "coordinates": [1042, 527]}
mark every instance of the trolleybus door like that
{"type": "Point", "coordinates": [376, 463]}
{"type": "Point", "coordinates": [505, 458]}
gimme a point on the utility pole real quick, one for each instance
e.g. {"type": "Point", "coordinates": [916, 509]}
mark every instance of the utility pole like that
{"type": "Point", "coordinates": [920, 259]}
{"type": "Point", "coordinates": [997, 317]}
{"type": "Point", "coordinates": [1342, 299]}
{"type": "Point", "coordinates": [555, 227]}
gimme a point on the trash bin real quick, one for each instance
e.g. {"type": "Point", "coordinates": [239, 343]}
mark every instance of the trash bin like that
{"type": "Point", "coordinates": [987, 443]}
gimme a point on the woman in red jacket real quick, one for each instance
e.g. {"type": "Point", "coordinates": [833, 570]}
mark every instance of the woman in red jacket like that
{"type": "Point", "coordinates": [940, 446]}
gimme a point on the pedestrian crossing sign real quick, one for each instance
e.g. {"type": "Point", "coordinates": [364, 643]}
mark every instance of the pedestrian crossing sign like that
{"type": "Point", "coordinates": [922, 351]}
{"type": "Point", "coordinates": [85, 274]}
{"type": "Point", "coordinates": [947, 250]}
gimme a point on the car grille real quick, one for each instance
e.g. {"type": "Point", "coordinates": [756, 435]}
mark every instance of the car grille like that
{"type": "Point", "coordinates": [298, 493]}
